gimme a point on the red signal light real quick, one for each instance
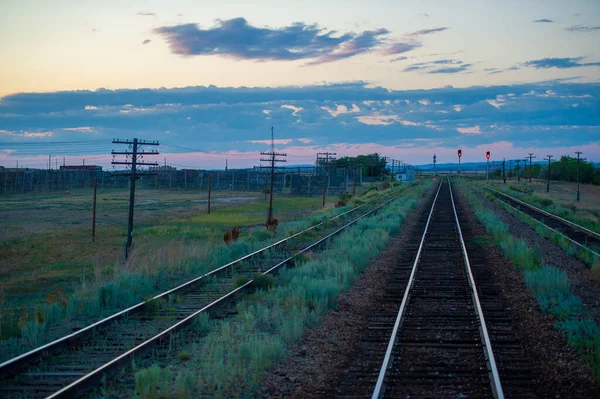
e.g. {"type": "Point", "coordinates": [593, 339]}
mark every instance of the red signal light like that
{"type": "Point", "coordinates": [459, 153]}
{"type": "Point", "coordinates": [487, 155]}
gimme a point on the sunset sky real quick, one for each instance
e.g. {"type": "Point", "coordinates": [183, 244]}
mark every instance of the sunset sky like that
{"type": "Point", "coordinates": [207, 79]}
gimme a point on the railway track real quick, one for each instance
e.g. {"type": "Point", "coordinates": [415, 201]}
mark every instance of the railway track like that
{"type": "Point", "coordinates": [73, 364]}
{"type": "Point", "coordinates": [442, 329]}
{"type": "Point", "coordinates": [579, 235]}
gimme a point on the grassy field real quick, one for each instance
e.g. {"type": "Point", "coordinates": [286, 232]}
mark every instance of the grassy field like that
{"type": "Point", "coordinates": [46, 246]}
{"type": "Point", "coordinates": [560, 200]}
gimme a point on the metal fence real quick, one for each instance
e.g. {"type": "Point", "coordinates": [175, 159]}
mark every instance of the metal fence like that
{"type": "Point", "coordinates": [291, 180]}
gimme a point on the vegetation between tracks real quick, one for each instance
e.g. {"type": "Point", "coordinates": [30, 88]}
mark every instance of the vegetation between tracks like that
{"type": "Point", "coordinates": [548, 284]}
{"type": "Point", "coordinates": [232, 359]}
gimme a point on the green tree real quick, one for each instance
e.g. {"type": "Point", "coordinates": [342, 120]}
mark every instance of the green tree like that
{"type": "Point", "coordinates": [373, 165]}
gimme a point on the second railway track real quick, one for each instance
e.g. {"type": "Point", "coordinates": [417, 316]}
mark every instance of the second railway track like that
{"type": "Point", "coordinates": [579, 235]}
{"type": "Point", "coordinates": [443, 330]}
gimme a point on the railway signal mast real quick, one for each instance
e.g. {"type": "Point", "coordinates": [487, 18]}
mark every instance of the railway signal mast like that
{"type": "Point", "coordinates": [487, 167]}
{"type": "Point", "coordinates": [459, 155]}
{"type": "Point", "coordinates": [434, 161]}
{"type": "Point", "coordinates": [131, 159]}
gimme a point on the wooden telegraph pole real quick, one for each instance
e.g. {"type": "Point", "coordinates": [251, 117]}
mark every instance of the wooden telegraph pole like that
{"type": "Point", "coordinates": [548, 182]}
{"type": "Point", "coordinates": [326, 158]}
{"type": "Point", "coordinates": [578, 154]}
{"type": "Point", "coordinates": [134, 174]}
{"type": "Point", "coordinates": [94, 211]}
{"type": "Point", "coordinates": [272, 160]}
{"type": "Point", "coordinates": [530, 170]}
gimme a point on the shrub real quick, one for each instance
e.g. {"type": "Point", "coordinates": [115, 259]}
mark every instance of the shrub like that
{"type": "Point", "coordinates": [263, 281]}
{"type": "Point", "coordinates": [153, 382]}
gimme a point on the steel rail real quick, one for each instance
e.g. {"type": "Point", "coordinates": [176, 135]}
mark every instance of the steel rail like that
{"type": "Point", "coordinates": [78, 386]}
{"type": "Point", "coordinates": [487, 343]}
{"type": "Point", "coordinates": [495, 378]}
{"type": "Point", "coordinates": [16, 361]}
{"type": "Point", "coordinates": [388, 353]}
{"type": "Point", "coordinates": [563, 220]}
{"type": "Point", "coordinates": [550, 228]}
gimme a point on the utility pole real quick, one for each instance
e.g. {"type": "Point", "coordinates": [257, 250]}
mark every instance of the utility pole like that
{"type": "Point", "coordinates": [578, 154]}
{"type": "Point", "coordinates": [132, 161]}
{"type": "Point", "coordinates": [327, 158]}
{"type": "Point", "coordinates": [530, 169]}
{"type": "Point", "coordinates": [548, 182]}
{"type": "Point", "coordinates": [504, 170]}
{"type": "Point", "coordinates": [518, 169]}
{"type": "Point", "coordinates": [510, 169]}
{"type": "Point", "coordinates": [392, 173]}
{"type": "Point", "coordinates": [209, 184]}
{"type": "Point", "coordinates": [49, 161]}
{"type": "Point", "coordinates": [272, 159]}
{"type": "Point", "coordinates": [354, 184]}
{"type": "Point", "coordinates": [94, 211]}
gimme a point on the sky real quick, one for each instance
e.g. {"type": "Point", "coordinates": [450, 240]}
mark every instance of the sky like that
{"type": "Point", "coordinates": [208, 79]}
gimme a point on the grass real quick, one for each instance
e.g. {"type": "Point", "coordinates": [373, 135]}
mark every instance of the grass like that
{"type": "Point", "coordinates": [547, 283]}
{"type": "Point", "coordinates": [232, 359]}
{"type": "Point", "coordinates": [57, 253]}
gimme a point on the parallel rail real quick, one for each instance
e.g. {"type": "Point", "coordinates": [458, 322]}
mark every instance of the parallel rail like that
{"type": "Point", "coordinates": [433, 348]}
{"type": "Point", "coordinates": [580, 236]}
{"type": "Point", "coordinates": [104, 346]}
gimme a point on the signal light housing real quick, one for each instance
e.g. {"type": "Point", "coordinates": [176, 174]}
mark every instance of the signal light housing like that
{"type": "Point", "coordinates": [487, 155]}
{"type": "Point", "coordinates": [459, 153]}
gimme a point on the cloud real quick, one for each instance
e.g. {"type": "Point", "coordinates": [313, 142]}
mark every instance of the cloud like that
{"type": "Point", "coordinates": [560, 63]}
{"type": "Point", "coordinates": [237, 39]}
{"type": "Point", "coordinates": [582, 28]}
{"type": "Point", "coordinates": [469, 130]}
{"type": "Point", "coordinates": [360, 44]}
{"type": "Point", "coordinates": [145, 14]}
{"type": "Point", "coordinates": [443, 66]}
{"type": "Point", "coordinates": [402, 58]}
{"type": "Point", "coordinates": [352, 113]}
{"type": "Point", "coordinates": [543, 20]}
{"type": "Point", "coordinates": [399, 48]}
{"type": "Point", "coordinates": [146, 41]}
{"type": "Point", "coordinates": [427, 31]}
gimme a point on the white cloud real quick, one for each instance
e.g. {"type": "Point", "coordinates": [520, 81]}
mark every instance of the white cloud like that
{"type": "Point", "coordinates": [342, 109]}
{"type": "Point", "coordinates": [85, 129]}
{"type": "Point", "coordinates": [90, 107]}
{"type": "Point", "coordinates": [293, 108]}
{"type": "Point", "coordinates": [377, 119]}
{"type": "Point", "coordinates": [458, 108]}
{"type": "Point", "coordinates": [469, 130]}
